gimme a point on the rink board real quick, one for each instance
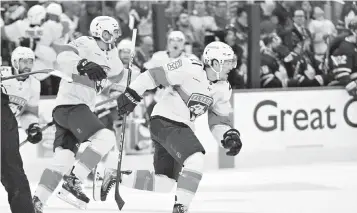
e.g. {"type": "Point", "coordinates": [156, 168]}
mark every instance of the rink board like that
{"type": "Point", "coordinates": [282, 127]}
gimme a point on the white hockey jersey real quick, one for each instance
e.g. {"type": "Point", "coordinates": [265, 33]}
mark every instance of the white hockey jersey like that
{"type": "Point", "coordinates": [82, 90]}
{"type": "Point", "coordinates": [23, 94]}
{"type": "Point", "coordinates": [190, 94]}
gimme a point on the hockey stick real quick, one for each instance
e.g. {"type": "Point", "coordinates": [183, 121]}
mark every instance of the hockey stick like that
{"type": "Point", "coordinates": [47, 71]}
{"type": "Point", "coordinates": [118, 199]}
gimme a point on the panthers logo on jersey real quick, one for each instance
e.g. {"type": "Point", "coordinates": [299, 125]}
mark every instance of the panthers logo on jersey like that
{"type": "Point", "coordinates": [198, 104]}
{"type": "Point", "coordinates": [17, 104]}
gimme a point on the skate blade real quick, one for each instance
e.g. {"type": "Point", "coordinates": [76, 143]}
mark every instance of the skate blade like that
{"type": "Point", "coordinates": [70, 199]}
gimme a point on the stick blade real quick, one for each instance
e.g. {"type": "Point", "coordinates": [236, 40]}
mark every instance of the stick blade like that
{"type": "Point", "coordinates": [118, 199]}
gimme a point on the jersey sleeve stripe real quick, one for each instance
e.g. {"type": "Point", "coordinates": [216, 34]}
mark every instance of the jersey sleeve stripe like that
{"type": "Point", "coordinates": [214, 119]}
{"type": "Point", "coordinates": [159, 76]}
{"type": "Point", "coordinates": [340, 75]}
{"type": "Point", "coordinates": [342, 69]}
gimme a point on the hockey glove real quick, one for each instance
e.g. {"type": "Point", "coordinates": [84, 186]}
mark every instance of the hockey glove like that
{"type": "Point", "coordinates": [127, 101]}
{"type": "Point", "coordinates": [231, 140]}
{"type": "Point", "coordinates": [94, 71]}
{"type": "Point", "coordinates": [34, 133]}
{"type": "Point", "coordinates": [352, 88]}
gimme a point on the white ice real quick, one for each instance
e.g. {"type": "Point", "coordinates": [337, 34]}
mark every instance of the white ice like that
{"type": "Point", "coordinates": [313, 188]}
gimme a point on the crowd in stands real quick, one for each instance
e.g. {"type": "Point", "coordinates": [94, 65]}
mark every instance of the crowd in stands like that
{"type": "Point", "coordinates": [295, 35]}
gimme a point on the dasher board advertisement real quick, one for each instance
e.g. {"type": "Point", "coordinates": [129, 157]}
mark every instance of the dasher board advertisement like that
{"type": "Point", "coordinates": [276, 120]}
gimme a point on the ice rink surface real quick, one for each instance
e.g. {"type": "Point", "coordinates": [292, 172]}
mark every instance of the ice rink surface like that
{"type": "Point", "coordinates": [313, 188]}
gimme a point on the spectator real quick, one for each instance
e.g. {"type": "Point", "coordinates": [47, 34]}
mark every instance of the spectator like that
{"type": "Point", "coordinates": [173, 11]}
{"type": "Point", "coordinates": [183, 25]}
{"type": "Point", "coordinates": [201, 22]}
{"type": "Point", "coordinates": [271, 67]}
{"type": "Point", "coordinates": [283, 15]}
{"type": "Point", "coordinates": [221, 16]}
{"type": "Point", "coordinates": [92, 9]}
{"type": "Point", "coordinates": [321, 30]}
{"type": "Point", "coordinates": [236, 76]}
{"type": "Point", "coordinates": [70, 18]}
{"type": "Point", "coordinates": [307, 8]}
{"type": "Point", "coordinates": [122, 10]}
{"type": "Point", "coordinates": [241, 26]}
{"type": "Point", "coordinates": [298, 33]}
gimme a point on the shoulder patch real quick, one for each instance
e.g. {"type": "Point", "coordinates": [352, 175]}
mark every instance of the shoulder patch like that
{"type": "Point", "coordinates": [174, 65]}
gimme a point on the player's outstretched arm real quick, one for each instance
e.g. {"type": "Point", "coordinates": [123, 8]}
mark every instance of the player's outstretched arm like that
{"type": "Point", "coordinates": [220, 121]}
{"type": "Point", "coordinates": [169, 74]}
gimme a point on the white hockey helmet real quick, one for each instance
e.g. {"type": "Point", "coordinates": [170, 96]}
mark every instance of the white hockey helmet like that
{"type": "Point", "coordinates": [54, 8]}
{"type": "Point", "coordinates": [221, 52]}
{"type": "Point", "coordinates": [125, 44]}
{"type": "Point", "coordinates": [177, 36]}
{"type": "Point", "coordinates": [36, 14]}
{"type": "Point", "coordinates": [105, 23]}
{"type": "Point", "coordinates": [21, 53]}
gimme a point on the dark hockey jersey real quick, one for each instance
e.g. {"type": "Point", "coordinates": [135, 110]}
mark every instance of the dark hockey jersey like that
{"type": "Point", "coordinates": [268, 66]}
{"type": "Point", "coordinates": [344, 62]}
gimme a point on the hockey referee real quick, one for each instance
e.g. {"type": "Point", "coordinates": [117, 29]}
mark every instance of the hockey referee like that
{"type": "Point", "coordinates": [13, 176]}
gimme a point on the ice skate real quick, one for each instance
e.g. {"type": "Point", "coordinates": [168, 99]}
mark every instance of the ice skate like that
{"type": "Point", "coordinates": [37, 204]}
{"type": "Point", "coordinates": [103, 185]}
{"type": "Point", "coordinates": [72, 193]}
{"type": "Point", "coordinates": [108, 182]}
{"type": "Point", "coordinates": [179, 208]}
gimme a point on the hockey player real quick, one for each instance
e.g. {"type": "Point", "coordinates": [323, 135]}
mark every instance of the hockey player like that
{"type": "Point", "coordinates": [270, 64]}
{"type": "Point", "coordinates": [89, 60]}
{"type": "Point", "coordinates": [344, 60]}
{"type": "Point", "coordinates": [195, 88]}
{"type": "Point", "coordinates": [175, 49]}
{"type": "Point", "coordinates": [24, 93]}
{"type": "Point", "coordinates": [20, 99]}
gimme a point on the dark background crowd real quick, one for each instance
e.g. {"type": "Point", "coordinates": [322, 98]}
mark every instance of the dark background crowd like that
{"type": "Point", "coordinates": [295, 35]}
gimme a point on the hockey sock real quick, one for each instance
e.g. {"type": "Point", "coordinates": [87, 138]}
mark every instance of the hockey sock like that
{"type": "Point", "coordinates": [148, 181]}
{"type": "Point", "coordinates": [62, 161]}
{"type": "Point", "coordinates": [189, 179]}
{"type": "Point", "coordinates": [101, 143]}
